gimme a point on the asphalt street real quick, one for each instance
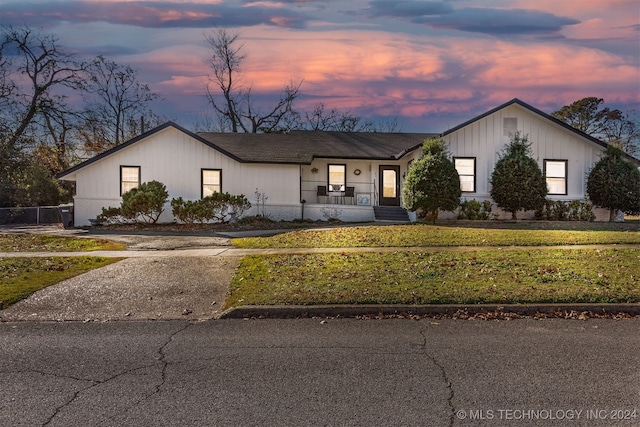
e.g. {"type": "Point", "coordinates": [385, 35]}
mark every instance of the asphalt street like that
{"type": "Point", "coordinates": [321, 372]}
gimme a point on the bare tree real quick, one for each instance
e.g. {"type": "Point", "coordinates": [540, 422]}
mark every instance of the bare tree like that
{"type": "Point", "coordinates": [623, 129]}
{"type": "Point", "coordinates": [116, 100]}
{"type": "Point", "coordinates": [7, 89]}
{"type": "Point", "coordinates": [225, 61]}
{"type": "Point", "coordinates": [46, 67]}
{"type": "Point", "coordinates": [232, 101]}
{"type": "Point", "coordinates": [35, 74]}
{"type": "Point", "coordinates": [57, 145]}
{"type": "Point", "coordinates": [335, 120]}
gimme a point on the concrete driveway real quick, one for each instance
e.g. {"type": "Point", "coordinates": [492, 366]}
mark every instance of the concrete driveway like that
{"type": "Point", "coordinates": [188, 287]}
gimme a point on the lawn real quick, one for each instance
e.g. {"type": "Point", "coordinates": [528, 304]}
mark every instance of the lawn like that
{"type": "Point", "coordinates": [421, 235]}
{"type": "Point", "coordinates": [48, 243]}
{"type": "Point", "coordinates": [20, 277]}
{"type": "Point", "coordinates": [439, 277]}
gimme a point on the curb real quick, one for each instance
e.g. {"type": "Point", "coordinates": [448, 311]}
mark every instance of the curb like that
{"type": "Point", "coordinates": [444, 310]}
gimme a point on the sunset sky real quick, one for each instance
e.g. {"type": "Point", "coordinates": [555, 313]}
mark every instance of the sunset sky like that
{"type": "Point", "coordinates": [431, 64]}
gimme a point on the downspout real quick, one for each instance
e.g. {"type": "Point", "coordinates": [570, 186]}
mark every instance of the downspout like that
{"type": "Point", "coordinates": [302, 201]}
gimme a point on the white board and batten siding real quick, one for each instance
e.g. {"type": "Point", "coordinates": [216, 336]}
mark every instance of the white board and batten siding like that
{"type": "Point", "coordinates": [486, 138]}
{"type": "Point", "coordinates": [176, 159]}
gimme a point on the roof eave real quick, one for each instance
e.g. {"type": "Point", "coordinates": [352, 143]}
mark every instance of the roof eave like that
{"type": "Point", "coordinates": [542, 114]}
{"type": "Point", "coordinates": [62, 175]}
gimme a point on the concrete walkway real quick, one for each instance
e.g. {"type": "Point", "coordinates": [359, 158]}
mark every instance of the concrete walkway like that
{"type": "Point", "coordinates": [239, 252]}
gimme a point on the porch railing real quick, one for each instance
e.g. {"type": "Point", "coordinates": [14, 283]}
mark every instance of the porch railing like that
{"type": "Point", "coordinates": [364, 193]}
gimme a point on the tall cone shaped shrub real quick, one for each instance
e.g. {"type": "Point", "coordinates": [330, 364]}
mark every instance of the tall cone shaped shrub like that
{"type": "Point", "coordinates": [517, 182]}
{"type": "Point", "coordinates": [432, 182]}
{"type": "Point", "coordinates": [614, 183]}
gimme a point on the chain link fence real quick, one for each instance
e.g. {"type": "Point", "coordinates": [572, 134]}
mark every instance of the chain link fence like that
{"type": "Point", "coordinates": [37, 215]}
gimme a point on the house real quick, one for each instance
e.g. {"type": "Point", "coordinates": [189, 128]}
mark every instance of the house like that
{"type": "Point", "coordinates": [334, 173]}
{"type": "Point", "coordinates": [321, 175]}
{"type": "Point", "coordinates": [565, 154]}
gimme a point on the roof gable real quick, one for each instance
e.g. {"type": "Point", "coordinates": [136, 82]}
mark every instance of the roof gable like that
{"type": "Point", "coordinates": [542, 114]}
{"type": "Point", "coordinates": [139, 138]}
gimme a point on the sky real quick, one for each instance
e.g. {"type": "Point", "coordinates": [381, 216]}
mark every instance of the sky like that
{"type": "Point", "coordinates": [430, 64]}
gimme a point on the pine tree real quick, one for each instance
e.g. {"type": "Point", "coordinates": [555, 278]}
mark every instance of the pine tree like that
{"type": "Point", "coordinates": [432, 182]}
{"type": "Point", "coordinates": [517, 181]}
{"type": "Point", "coordinates": [614, 183]}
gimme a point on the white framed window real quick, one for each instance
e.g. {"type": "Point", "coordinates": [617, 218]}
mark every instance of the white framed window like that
{"type": "Point", "coordinates": [129, 178]}
{"type": "Point", "coordinates": [466, 167]}
{"type": "Point", "coordinates": [337, 177]}
{"type": "Point", "coordinates": [211, 182]}
{"type": "Point", "coordinates": [555, 173]}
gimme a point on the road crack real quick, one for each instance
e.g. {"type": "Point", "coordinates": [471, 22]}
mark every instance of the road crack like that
{"type": "Point", "coordinates": [161, 359]}
{"type": "Point", "coordinates": [444, 376]}
{"type": "Point", "coordinates": [95, 383]}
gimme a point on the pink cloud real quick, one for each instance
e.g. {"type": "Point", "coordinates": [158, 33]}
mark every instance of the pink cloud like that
{"type": "Point", "coordinates": [371, 72]}
{"type": "Point", "coordinates": [402, 77]}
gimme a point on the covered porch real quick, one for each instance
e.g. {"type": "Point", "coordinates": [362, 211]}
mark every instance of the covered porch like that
{"type": "Point", "coordinates": [352, 183]}
{"type": "Point", "coordinates": [350, 190]}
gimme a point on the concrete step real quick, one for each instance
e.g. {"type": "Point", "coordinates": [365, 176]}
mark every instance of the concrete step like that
{"type": "Point", "coordinates": [390, 213]}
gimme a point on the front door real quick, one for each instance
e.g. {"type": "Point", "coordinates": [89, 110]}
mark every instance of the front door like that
{"type": "Point", "coordinates": [389, 185]}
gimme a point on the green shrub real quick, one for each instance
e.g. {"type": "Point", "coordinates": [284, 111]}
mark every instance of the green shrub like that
{"type": "Point", "coordinates": [190, 212]}
{"type": "Point", "coordinates": [142, 204]}
{"type": "Point", "coordinates": [517, 181]}
{"type": "Point", "coordinates": [614, 183]}
{"type": "Point", "coordinates": [475, 210]}
{"type": "Point", "coordinates": [145, 203]}
{"type": "Point", "coordinates": [559, 210]}
{"type": "Point", "coordinates": [227, 207]}
{"type": "Point", "coordinates": [110, 216]}
{"type": "Point", "coordinates": [218, 207]}
{"type": "Point", "coordinates": [258, 219]}
{"type": "Point", "coordinates": [586, 212]}
{"type": "Point", "coordinates": [432, 183]}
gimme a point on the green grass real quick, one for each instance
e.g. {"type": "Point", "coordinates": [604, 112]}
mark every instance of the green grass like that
{"type": "Point", "coordinates": [429, 277]}
{"type": "Point", "coordinates": [20, 277]}
{"type": "Point", "coordinates": [48, 243]}
{"type": "Point", "coordinates": [417, 235]}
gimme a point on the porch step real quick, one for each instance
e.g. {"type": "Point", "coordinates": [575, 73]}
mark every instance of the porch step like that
{"type": "Point", "coordinates": [390, 213]}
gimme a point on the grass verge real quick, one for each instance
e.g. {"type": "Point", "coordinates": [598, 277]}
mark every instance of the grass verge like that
{"type": "Point", "coordinates": [437, 235]}
{"type": "Point", "coordinates": [430, 277]}
{"type": "Point", "coordinates": [20, 277]}
{"type": "Point", "coordinates": [48, 243]}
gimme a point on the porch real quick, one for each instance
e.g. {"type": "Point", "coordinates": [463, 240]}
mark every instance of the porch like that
{"type": "Point", "coordinates": [351, 193]}
{"type": "Point", "coordinates": [354, 202]}
{"type": "Point", "coordinates": [352, 190]}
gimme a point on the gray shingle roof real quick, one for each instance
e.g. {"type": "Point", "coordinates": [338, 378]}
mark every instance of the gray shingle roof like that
{"type": "Point", "coordinates": [304, 146]}
{"type": "Point", "coordinates": [299, 147]}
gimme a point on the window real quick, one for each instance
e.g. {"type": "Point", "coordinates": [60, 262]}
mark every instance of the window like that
{"type": "Point", "coordinates": [337, 177]}
{"type": "Point", "coordinates": [129, 178]}
{"type": "Point", "coordinates": [555, 172]}
{"type": "Point", "coordinates": [466, 167]}
{"type": "Point", "coordinates": [211, 181]}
